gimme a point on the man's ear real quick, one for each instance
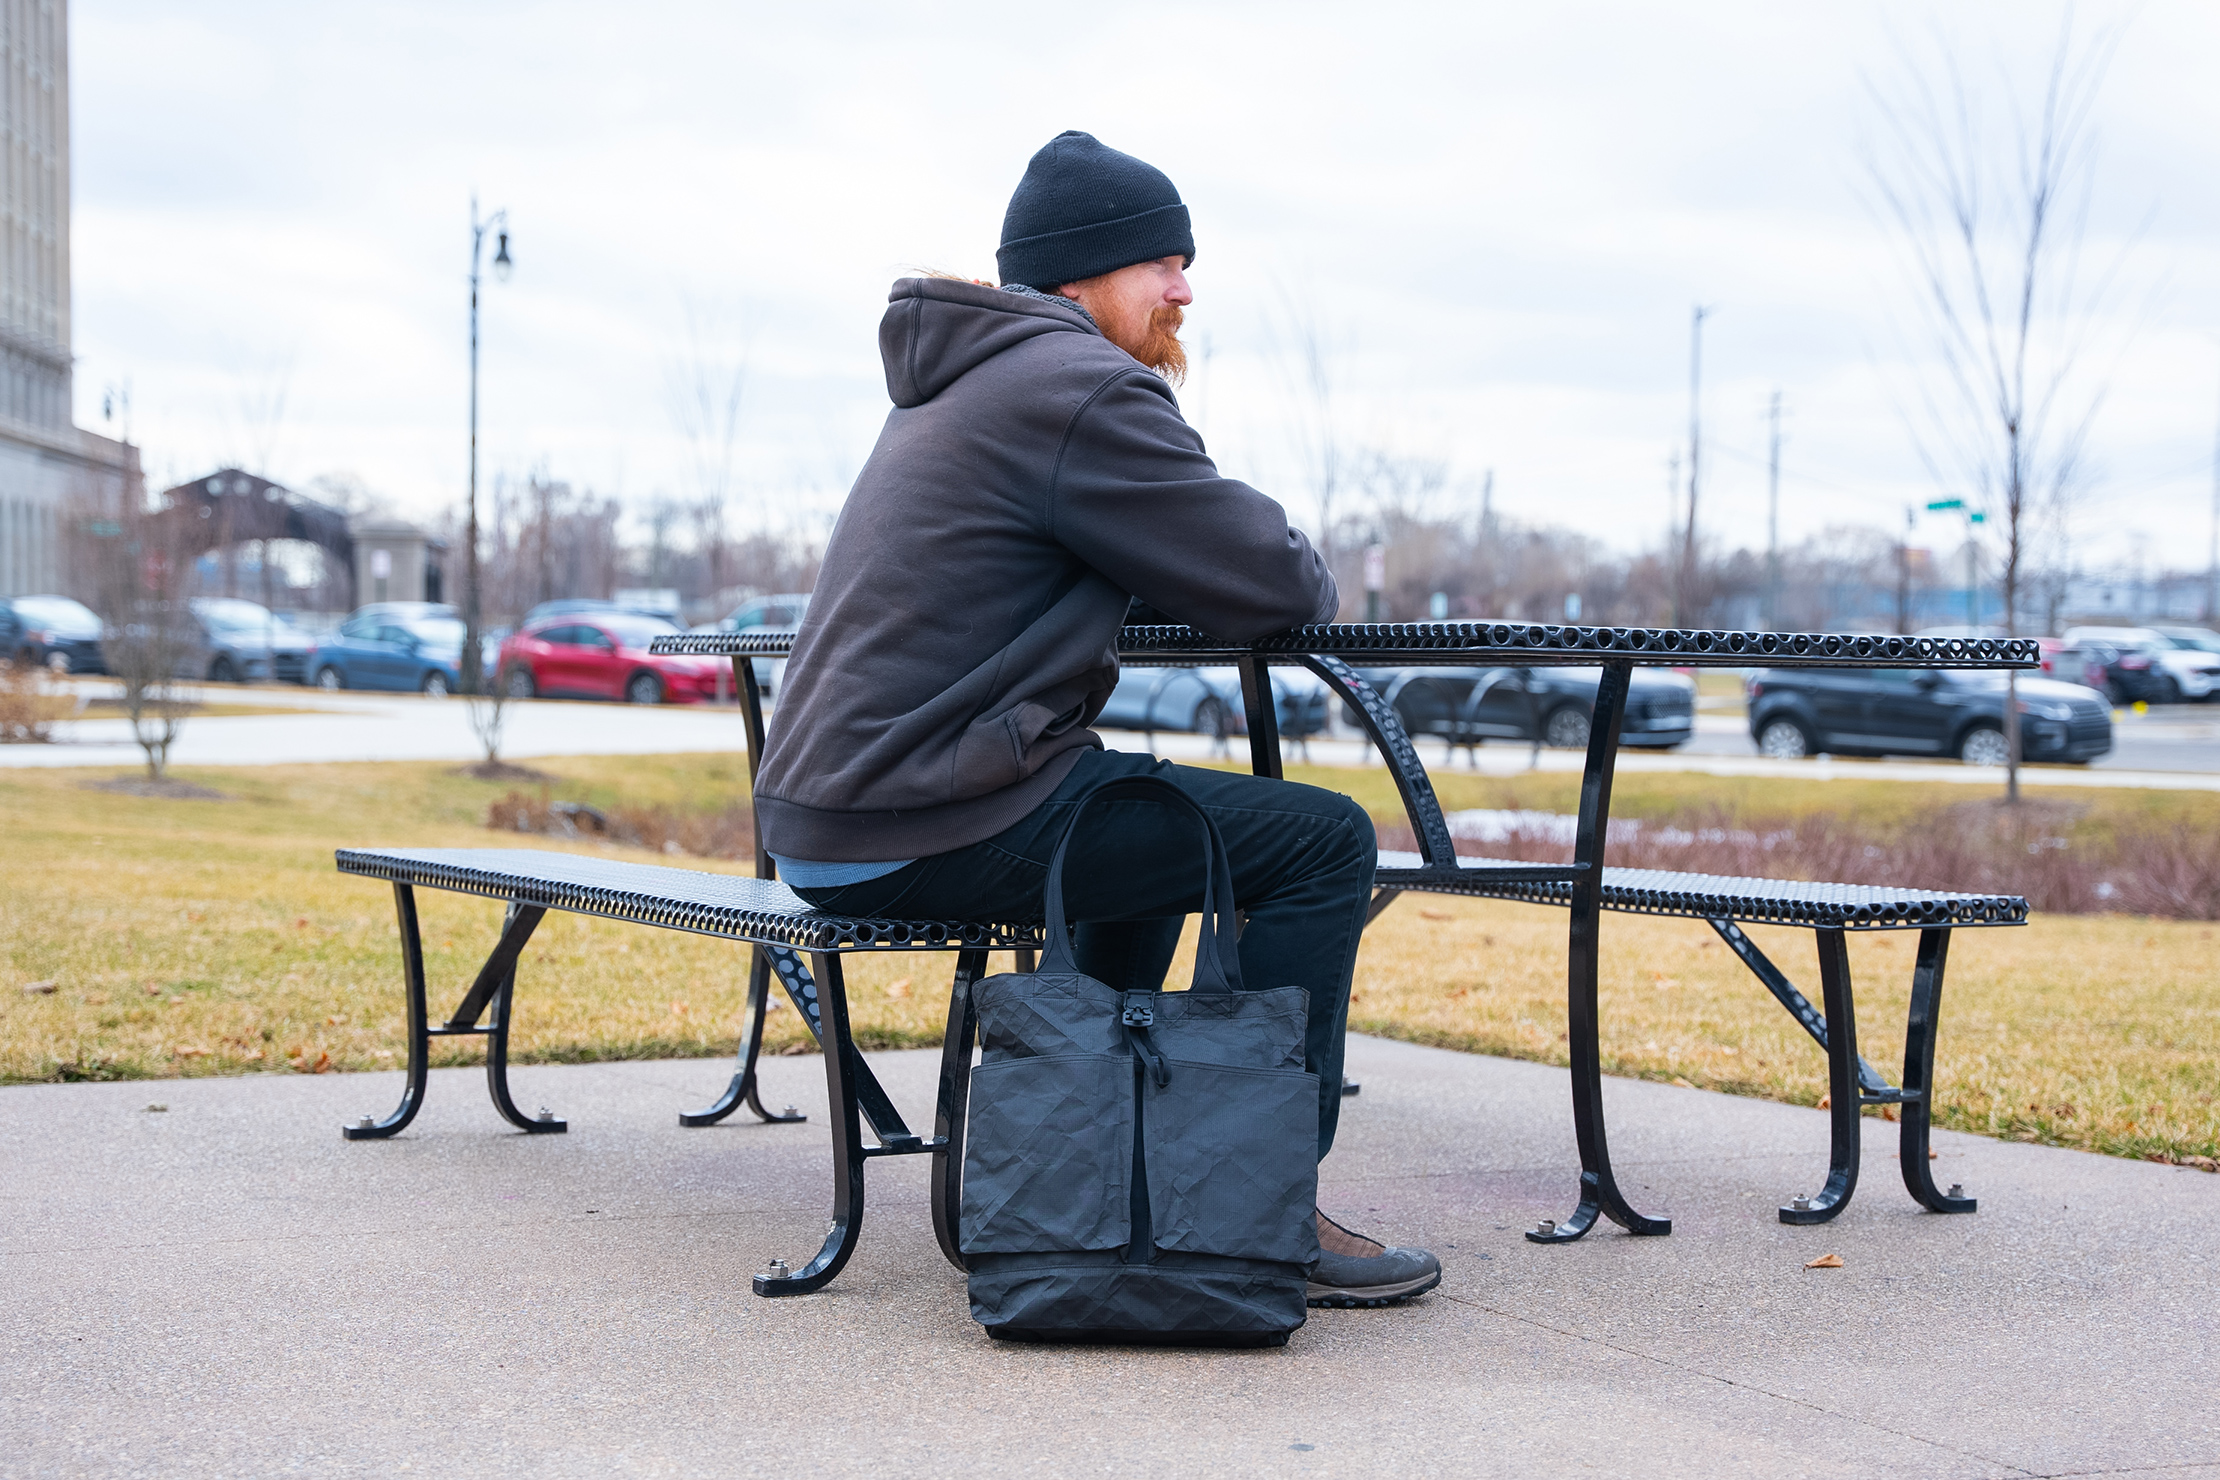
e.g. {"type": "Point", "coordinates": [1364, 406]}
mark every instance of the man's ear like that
{"type": "Point", "coordinates": [1069, 290]}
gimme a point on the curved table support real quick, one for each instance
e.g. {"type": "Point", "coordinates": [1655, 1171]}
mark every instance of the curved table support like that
{"type": "Point", "coordinates": [1599, 1188]}
{"type": "Point", "coordinates": [1919, 1078]}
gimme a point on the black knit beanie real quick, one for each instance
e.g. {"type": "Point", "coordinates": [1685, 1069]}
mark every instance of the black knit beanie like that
{"type": "Point", "coordinates": [1084, 209]}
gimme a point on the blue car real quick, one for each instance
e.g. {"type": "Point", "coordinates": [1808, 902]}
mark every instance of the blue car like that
{"type": "Point", "coordinates": [50, 632]}
{"type": "Point", "coordinates": [1207, 701]}
{"type": "Point", "coordinates": [412, 646]}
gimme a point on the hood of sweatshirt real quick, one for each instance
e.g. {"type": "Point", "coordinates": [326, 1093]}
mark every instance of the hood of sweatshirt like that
{"type": "Point", "coordinates": [937, 329]}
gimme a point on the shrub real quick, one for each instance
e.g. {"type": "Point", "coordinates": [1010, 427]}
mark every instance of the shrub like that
{"type": "Point", "coordinates": [31, 705]}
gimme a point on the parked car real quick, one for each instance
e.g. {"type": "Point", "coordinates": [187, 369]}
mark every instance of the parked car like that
{"type": "Point", "coordinates": [774, 612]}
{"type": "Point", "coordinates": [405, 645]}
{"type": "Point", "coordinates": [243, 640]}
{"type": "Point", "coordinates": [50, 632]}
{"type": "Point", "coordinates": [2123, 675]}
{"type": "Point", "coordinates": [1922, 711]}
{"type": "Point", "coordinates": [604, 655]}
{"type": "Point", "coordinates": [1465, 706]}
{"type": "Point", "coordinates": [2186, 660]}
{"type": "Point", "coordinates": [1207, 701]}
{"type": "Point", "coordinates": [577, 605]}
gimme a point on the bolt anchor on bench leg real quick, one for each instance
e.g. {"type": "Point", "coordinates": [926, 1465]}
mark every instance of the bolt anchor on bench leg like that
{"type": "Point", "coordinates": [744, 1090]}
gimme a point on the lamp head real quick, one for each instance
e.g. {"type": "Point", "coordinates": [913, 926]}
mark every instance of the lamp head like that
{"type": "Point", "coordinates": [501, 262]}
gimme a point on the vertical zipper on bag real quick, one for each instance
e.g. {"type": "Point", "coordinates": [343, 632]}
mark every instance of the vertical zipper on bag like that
{"type": "Point", "coordinates": [1141, 1242]}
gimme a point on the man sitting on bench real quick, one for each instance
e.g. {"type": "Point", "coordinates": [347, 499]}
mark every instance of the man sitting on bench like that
{"type": "Point", "coordinates": [1034, 477]}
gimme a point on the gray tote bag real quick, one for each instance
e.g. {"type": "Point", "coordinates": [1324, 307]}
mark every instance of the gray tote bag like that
{"type": "Point", "coordinates": [1141, 1166]}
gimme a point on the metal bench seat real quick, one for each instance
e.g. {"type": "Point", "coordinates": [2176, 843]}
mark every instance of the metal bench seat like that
{"type": "Point", "coordinates": [1709, 896]}
{"type": "Point", "coordinates": [759, 912]}
{"type": "Point", "coordinates": [1830, 911]}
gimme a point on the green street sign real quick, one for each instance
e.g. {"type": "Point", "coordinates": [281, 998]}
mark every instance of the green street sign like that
{"type": "Point", "coordinates": [1946, 503]}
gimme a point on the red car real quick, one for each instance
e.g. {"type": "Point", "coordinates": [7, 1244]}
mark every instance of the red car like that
{"type": "Point", "coordinates": [604, 655]}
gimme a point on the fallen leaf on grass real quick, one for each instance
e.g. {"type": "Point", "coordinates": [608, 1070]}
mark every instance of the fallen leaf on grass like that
{"type": "Point", "coordinates": [1826, 1261]}
{"type": "Point", "coordinates": [188, 1051]}
{"type": "Point", "coordinates": [1682, 1083]}
{"type": "Point", "coordinates": [2201, 1163]}
{"type": "Point", "coordinates": [41, 989]}
{"type": "Point", "coordinates": [1827, 1102]}
{"type": "Point", "coordinates": [1435, 915]}
{"type": "Point", "coordinates": [320, 1065]}
{"type": "Point", "coordinates": [898, 988]}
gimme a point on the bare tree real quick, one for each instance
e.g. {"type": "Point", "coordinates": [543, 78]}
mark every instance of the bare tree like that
{"type": "Point", "coordinates": [1989, 202]}
{"type": "Point", "coordinates": [136, 562]}
{"type": "Point", "coordinates": [1306, 356]}
{"type": "Point", "coordinates": [488, 713]}
{"type": "Point", "coordinates": [704, 388]}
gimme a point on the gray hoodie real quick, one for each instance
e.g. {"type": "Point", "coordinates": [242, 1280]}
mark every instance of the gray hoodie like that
{"type": "Point", "coordinates": [1031, 479]}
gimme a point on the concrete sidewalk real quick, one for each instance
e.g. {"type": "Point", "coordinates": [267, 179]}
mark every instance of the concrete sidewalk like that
{"type": "Point", "coordinates": [228, 1288]}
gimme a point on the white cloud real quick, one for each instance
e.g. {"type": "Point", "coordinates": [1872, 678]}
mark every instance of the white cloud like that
{"type": "Point", "coordinates": [1508, 209]}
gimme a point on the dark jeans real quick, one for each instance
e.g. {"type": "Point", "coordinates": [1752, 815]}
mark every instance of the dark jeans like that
{"type": "Point", "coordinates": [1302, 872]}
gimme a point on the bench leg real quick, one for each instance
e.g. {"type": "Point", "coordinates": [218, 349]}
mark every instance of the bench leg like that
{"type": "Point", "coordinates": [516, 928]}
{"type": "Point", "coordinates": [847, 1143]}
{"type": "Point", "coordinates": [955, 1097]}
{"type": "Point", "coordinates": [1843, 1089]}
{"type": "Point", "coordinates": [1599, 1189]}
{"type": "Point", "coordinates": [412, 977]}
{"type": "Point", "coordinates": [1919, 1076]}
{"type": "Point", "coordinates": [743, 1089]}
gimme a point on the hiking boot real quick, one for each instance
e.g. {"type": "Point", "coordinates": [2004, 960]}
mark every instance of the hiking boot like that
{"type": "Point", "coordinates": [1353, 1270]}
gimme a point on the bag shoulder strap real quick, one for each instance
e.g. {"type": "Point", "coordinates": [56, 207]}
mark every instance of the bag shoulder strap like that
{"type": "Point", "coordinates": [1217, 955]}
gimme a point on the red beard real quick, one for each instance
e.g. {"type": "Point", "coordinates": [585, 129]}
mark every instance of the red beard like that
{"type": "Point", "coordinates": [1160, 348]}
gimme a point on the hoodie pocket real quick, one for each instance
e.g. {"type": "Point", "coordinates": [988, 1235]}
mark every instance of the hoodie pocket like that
{"type": "Point", "coordinates": [1028, 724]}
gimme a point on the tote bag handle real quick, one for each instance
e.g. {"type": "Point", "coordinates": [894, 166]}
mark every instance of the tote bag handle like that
{"type": "Point", "coordinates": [1217, 956]}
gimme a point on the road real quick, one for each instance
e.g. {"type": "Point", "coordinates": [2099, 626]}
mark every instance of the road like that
{"type": "Point", "coordinates": [2170, 749]}
{"type": "Point", "coordinates": [2175, 737]}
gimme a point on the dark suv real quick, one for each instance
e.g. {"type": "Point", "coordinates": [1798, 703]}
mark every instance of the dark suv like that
{"type": "Point", "coordinates": [1922, 711]}
{"type": "Point", "coordinates": [1465, 706]}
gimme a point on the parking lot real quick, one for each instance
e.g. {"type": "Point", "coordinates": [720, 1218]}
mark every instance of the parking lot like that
{"type": "Point", "coordinates": [2167, 747]}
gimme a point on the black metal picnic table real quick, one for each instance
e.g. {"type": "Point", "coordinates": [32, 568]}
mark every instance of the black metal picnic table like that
{"type": "Point", "coordinates": [1583, 883]}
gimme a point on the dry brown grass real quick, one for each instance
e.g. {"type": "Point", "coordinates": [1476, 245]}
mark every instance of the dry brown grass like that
{"type": "Point", "coordinates": [197, 937]}
{"type": "Point", "coordinates": [2099, 1032]}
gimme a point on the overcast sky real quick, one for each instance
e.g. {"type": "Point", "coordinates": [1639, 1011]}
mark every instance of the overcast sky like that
{"type": "Point", "coordinates": [1499, 214]}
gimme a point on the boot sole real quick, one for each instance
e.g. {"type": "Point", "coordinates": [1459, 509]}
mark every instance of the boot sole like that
{"type": "Point", "coordinates": [1367, 1297]}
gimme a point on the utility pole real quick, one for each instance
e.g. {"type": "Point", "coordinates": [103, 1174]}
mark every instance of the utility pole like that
{"type": "Point", "coordinates": [2212, 548]}
{"type": "Point", "coordinates": [1487, 499]}
{"type": "Point", "coordinates": [1773, 522]}
{"type": "Point", "coordinates": [1904, 574]}
{"type": "Point", "coordinates": [473, 662]}
{"type": "Point", "coordinates": [1686, 594]}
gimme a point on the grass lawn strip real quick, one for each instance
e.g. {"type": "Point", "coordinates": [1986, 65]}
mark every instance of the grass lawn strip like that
{"type": "Point", "coordinates": [203, 937]}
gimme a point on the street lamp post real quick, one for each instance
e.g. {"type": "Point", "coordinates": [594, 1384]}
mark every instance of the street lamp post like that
{"type": "Point", "coordinates": [473, 675]}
